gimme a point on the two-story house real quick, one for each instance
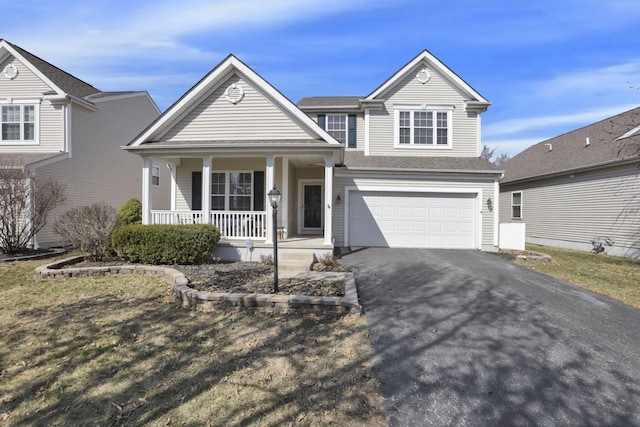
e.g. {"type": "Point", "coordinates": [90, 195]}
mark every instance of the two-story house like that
{"type": "Point", "coordinates": [400, 167]}
{"type": "Point", "coordinates": [54, 124]}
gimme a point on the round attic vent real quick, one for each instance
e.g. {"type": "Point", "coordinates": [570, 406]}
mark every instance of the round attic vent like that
{"type": "Point", "coordinates": [423, 76]}
{"type": "Point", "coordinates": [234, 94]}
{"type": "Point", "coordinates": [10, 71]}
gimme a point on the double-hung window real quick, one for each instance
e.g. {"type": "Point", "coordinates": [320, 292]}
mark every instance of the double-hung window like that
{"type": "Point", "coordinates": [516, 204]}
{"type": "Point", "coordinates": [340, 126]}
{"type": "Point", "coordinates": [18, 122]}
{"type": "Point", "coordinates": [231, 191]}
{"type": "Point", "coordinates": [424, 127]}
{"type": "Point", "coordinates": [155, 175]}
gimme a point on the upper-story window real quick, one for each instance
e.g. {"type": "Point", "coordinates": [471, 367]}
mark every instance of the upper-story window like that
{"type": "Point", "coordinates": [340, 126]}
{"type": "Point", "coordinates": [424, 127]}
{"type": "Point", "coordinates": [19, 124]}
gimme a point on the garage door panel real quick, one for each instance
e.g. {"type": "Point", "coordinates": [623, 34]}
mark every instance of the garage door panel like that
{"type": "Point", "coordinates": [429, 220]}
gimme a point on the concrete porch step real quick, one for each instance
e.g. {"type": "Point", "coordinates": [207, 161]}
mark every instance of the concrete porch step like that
{"type": "Point", "coordinates": [291, 261]}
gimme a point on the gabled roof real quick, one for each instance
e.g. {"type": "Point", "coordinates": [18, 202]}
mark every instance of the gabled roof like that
{"type": "Point", "coordinates": [425, 55]}
{"type": "Point", "coordinates": [61, 81]}
{"type": "Point", "coordinates": [607, 142]}
{"type": "Point", "coordinates": [215, 77]}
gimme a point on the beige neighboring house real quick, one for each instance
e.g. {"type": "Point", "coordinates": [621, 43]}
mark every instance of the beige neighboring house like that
{"type": "Point", "coordinates": [54, 124]}
{"type": "Point", "coordinates": [579, 187]}
{"type": "Point", "coordinates": [399, 167]}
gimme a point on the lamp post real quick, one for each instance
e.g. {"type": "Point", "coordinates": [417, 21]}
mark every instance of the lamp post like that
{"type": "Point", "coordinates": [274, 200]}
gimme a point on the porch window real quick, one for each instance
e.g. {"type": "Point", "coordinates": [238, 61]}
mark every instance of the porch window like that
{"type": "Point", "coordinates": [231, 191]}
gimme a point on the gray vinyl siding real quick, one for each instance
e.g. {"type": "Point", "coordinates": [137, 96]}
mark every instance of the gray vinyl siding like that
{"type": "Point", "coordinates": [437, 91]}
{"type": "Point", "coordinates": [253, 118]}
{"type": "Point", "coordinates": [27, 85]}
{"type": "Point", "coordinates": [570, 212]}
{"type": "Point", "coordinates": [99, 170]}
{"type": "Point", "coordinates": [366, 180]}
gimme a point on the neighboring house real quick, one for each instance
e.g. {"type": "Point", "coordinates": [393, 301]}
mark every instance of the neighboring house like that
{"type": "Point", "coordinates": [54, 124]}
{"type": "Point", "coordinates": [579, 187]}
{"type": "Point", "coordinates": [397, 168]}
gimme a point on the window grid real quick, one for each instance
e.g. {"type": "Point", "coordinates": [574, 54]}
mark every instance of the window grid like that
{"type": "Point", "coordinates": [231, 191]}
{"type": "Point", "coordinates": [337, 127]}
{"type": "Point", "coordinates": [423, 128]}
{"type": "Point", "coordinates": [18, 123]}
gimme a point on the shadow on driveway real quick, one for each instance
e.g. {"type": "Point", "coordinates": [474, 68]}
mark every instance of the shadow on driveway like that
{"type": "Point", "coordinates": [466, 338]}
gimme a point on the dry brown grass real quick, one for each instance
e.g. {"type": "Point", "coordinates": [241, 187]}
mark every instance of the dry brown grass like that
{"type": "Point", "coordinates": [117, 351]}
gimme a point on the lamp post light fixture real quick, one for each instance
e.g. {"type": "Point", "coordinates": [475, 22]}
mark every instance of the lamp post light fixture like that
{"type": "Point", "coordinates": [274, 200]}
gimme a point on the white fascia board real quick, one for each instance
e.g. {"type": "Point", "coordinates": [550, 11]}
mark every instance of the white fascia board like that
{"type": "Point", "coordinates": [425, 55]}
{"type": "Point", "coordinates": [226, 67]}
{"type": "Point", "coordinates": [34, 70]}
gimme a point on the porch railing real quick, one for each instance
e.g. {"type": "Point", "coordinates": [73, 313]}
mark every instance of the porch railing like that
{"type": "Point", "coordinates": [232, 224]}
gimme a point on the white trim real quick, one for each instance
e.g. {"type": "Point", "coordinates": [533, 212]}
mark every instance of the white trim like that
{"type": "Point", "coordinates": [207, 170]}
{"type": "Point", "coordinates": [398, 189]}
{"type": "Point", "coordinates": [67, 133]}
{"type": "Point", "coordinates": [270, 182]}
{"type": "Point", "coordinates": [213, 80]}
{"type": "Point", "coordinates": [174, 185]}
{"type": "Point", "coordinates": [285, 195]}
{"type": "Point", "coordinates": [328, 200]}
{"type": "Point", "coordinates": [437, 65]}
{"type": "Point", "coordinates": [301, 184]}
{"type": "Point", "coordinates": [367, 132]}
{"type": "Point", "coordinates": [479, 133]}
{"type": "Point", "coordinates": [146, 190]}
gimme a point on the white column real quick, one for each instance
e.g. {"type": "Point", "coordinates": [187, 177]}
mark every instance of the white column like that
{"type": "Point", "coordinates": [328, 198]}
{"type": "Point", "coordinates": [174, 185]}
{"type": "Point", "coordinates": [206, 190]}
{"type": "Point", "coordinates": [271, 179]}
{"type": "Point", "coordinates": [285, 195]}
{"type": "Point", "coordinates": [146, 190]}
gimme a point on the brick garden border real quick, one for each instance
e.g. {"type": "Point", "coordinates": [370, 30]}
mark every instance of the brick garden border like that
{"type": "Point", "coordinates": [211, 301]}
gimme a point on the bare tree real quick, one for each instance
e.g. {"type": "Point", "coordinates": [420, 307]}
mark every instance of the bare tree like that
{"type": "Point", "coordinates": [25, 203]}
{"type": "Point", "coordinates": [489, 154]}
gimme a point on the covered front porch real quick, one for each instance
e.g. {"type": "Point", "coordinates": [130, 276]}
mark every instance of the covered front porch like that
{"type": "Point", "coordinates": [230, 191]}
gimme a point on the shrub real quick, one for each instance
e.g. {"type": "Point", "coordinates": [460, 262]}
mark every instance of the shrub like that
{"type": "Point", "coordinates": [165, 244]}
{"type": "Point", "coordinates": [88, 228]}
{"type": "Point", "coordinates": [130, 212]}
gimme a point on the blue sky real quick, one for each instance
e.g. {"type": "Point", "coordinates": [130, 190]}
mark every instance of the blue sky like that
{"type": "Point", "coordinates": [547, 66]}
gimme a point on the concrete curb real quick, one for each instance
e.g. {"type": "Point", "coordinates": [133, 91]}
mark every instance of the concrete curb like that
{"type": "Point", "coordinates": [211, 301]}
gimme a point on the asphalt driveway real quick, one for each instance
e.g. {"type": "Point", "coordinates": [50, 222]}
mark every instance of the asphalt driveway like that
{"type": "Point", "coordinates": [466, 338]}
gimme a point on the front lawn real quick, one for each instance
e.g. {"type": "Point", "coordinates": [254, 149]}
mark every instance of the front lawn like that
{"type": "Point", "coordinates": [116, 350]}
{"type": "Point", "coordinates": [615, 277]}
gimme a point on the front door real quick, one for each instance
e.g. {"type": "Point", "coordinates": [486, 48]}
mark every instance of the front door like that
{"type": "Point", "coordinates": [311, 214]}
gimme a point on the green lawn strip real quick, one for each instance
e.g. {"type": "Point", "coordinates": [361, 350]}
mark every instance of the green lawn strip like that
{"type": "Point", "coordinates": [117, 350]}
{"type": "Point", "coordinates": [615, 277]}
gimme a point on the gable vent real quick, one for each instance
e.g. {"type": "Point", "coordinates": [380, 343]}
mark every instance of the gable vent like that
{"type": "Point", "coordinates": [234, 94]}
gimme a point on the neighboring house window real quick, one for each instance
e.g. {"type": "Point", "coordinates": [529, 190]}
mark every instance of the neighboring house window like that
{"type": "Point", "coordinates": [422, 127]}
{"type": "Point", "coordinates": [155, 175]}
{"type": "Point", "coordinates": [231, 191]}
{"type": "Point", "coordinates": [18, 123]}
{"type": "Point", "coordinates": [340, 126]}
{"type": "Point", "coordinates": [516, 205]}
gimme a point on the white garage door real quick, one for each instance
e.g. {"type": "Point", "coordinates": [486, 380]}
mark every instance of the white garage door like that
{"type": "Point", "coordinates": [418, 220]}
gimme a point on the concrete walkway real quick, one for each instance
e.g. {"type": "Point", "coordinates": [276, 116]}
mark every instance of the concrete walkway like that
{"type": "Point", "coordinates": [465, 338]}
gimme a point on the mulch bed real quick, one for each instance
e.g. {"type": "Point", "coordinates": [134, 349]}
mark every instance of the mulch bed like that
{"type": "Point", "coordinates": [244, 277]}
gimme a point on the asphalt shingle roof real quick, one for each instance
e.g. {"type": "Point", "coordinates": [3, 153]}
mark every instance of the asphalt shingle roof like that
{"type": "Point", "coordinates": [357, 159]}
{"type": "Point", "coordinates": [570, 151]}
{"type": "Point", "coordinates": [329, 101]}
{"type": "Point", "coordinates": [65, 81]}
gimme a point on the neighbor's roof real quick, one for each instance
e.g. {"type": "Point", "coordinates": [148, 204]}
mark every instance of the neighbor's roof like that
{"type": "Point", "coordinates": [65, 81]}
{"type": "Point", "coordinates": [612, 140]}
{"type": "Point", "coordinates": [21, 160]}
{"type": "Point", "coordinates": [357, 160]}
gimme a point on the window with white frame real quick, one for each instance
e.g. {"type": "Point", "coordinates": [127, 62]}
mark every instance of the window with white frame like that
{"type": "Point", "coordinates": [337, 126]}
{"type": "Point", "coordinates": [516, 204]}
{"type": "Point", "coordinates": [18, 123]}
{"type": "Point", "coordinates": [232, 191]}
{"type": "Point", "coordinates": [155, 175]}
{"type": "Point", "coordinates": [419, 126]}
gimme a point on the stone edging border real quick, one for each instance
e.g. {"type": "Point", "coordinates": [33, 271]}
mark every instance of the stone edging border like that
{"type": "Point", "coordinates": [211, 301]}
